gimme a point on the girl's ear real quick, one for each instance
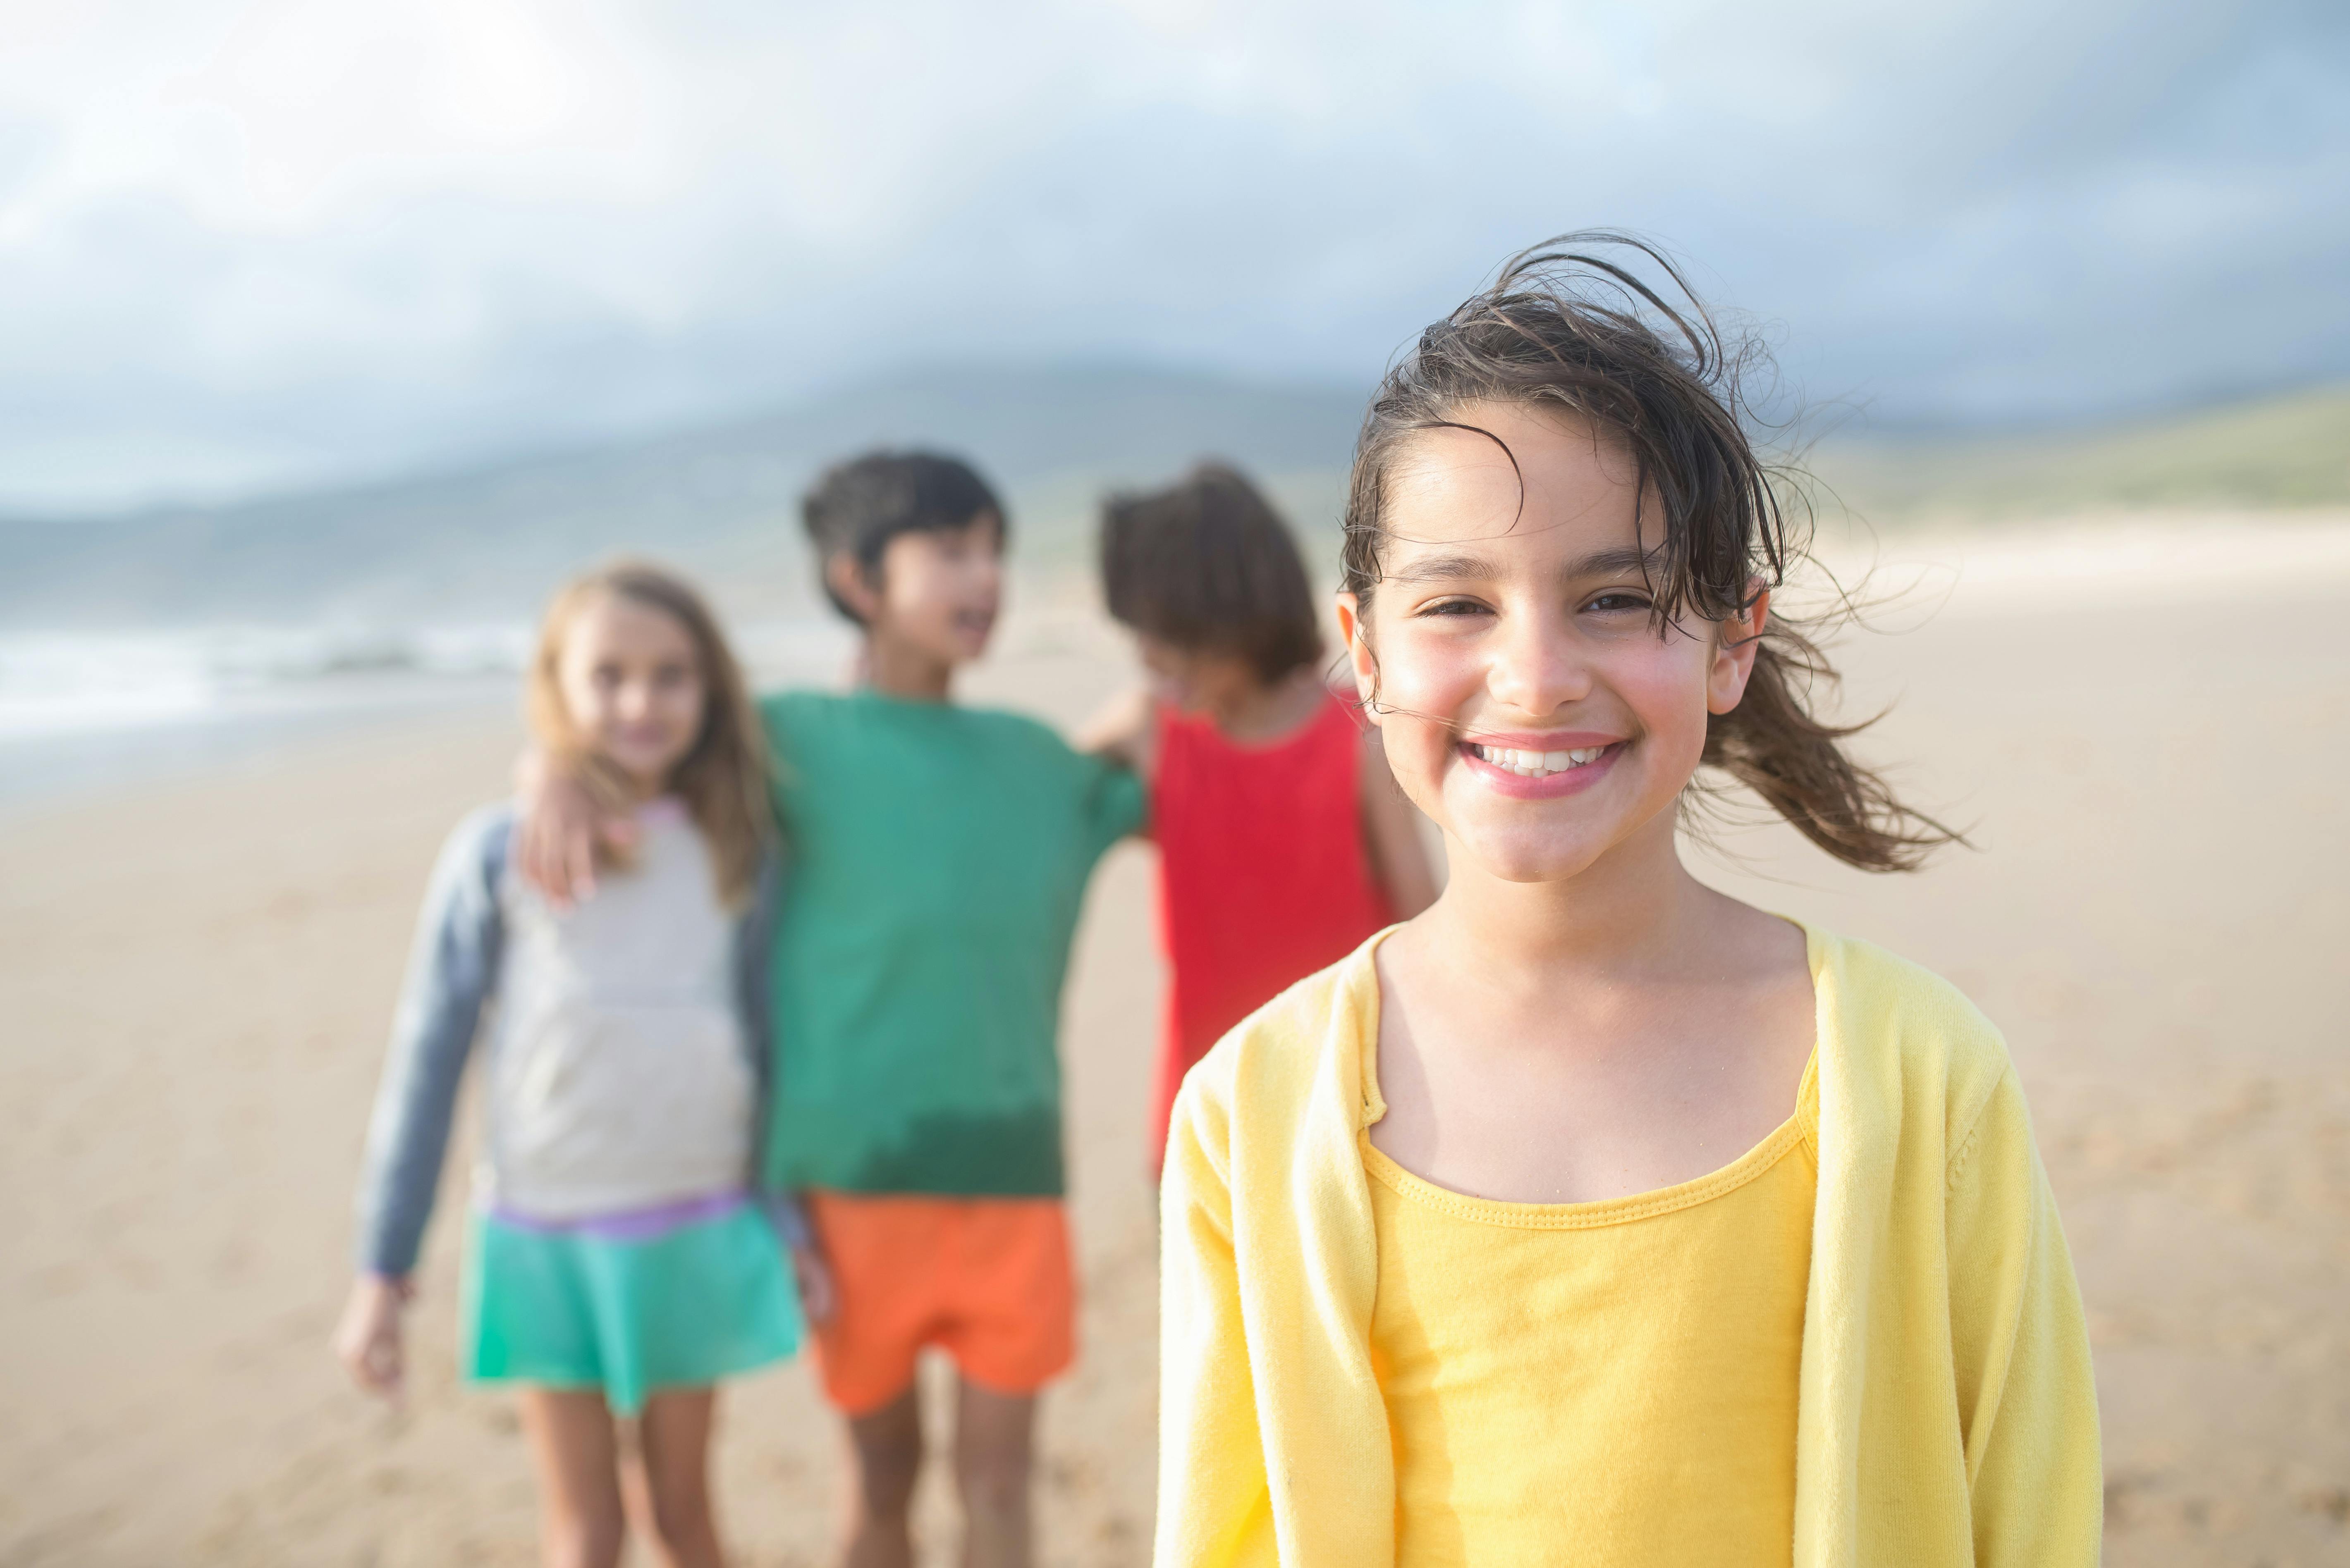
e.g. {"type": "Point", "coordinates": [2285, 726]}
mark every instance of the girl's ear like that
{"type": "Point", "coordinates": [848, 577]}
{"type": "Point", "coordinates": [1358, 653]}
{"type": "Point", "coordinates": [1736, 642]}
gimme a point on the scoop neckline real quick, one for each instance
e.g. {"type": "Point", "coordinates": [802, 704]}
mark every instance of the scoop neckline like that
{"type": "Point", "coordinates": [1597, 1212]}
{"type": "Point", "coordinates": [1797, 1130]}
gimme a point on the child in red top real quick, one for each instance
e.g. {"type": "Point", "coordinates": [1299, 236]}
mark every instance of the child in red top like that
{"type": "Point", "coordinates": [1283, 841]}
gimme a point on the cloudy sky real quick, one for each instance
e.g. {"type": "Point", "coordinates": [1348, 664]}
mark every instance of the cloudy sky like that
{"type": "Point", "coordinates": [246, 247]}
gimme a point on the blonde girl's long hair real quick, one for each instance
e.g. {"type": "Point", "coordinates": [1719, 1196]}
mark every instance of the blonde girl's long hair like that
{"type": "Point", "coordinates": [723, 778]}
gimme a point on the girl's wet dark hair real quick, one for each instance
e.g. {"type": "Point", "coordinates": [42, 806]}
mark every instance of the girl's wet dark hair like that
{"type": "Point", "coordinates": [1577, 325]}
{"type": "Point", "coordinates": [1208, 566]}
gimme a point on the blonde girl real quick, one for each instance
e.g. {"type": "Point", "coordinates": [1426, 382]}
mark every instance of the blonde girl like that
{"type": "Point", "coordinates": [617, 1265]}
{"type": "Point", "coordinates": [1593, 1216]}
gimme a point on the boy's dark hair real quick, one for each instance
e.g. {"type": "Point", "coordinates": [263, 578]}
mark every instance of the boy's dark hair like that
{"type": "Point", "coordinates": [1208, 566]}
{"type": "Point", "coordinates": [855, 507]}
{"type": "Point", "coordinates": [1571, 326]}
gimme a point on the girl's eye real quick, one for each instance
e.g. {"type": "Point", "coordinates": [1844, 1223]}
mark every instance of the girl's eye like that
{"type": "Point", "coordinates": [1453, 607]}
{"type": "Point", "coordinates": [1618, 601]}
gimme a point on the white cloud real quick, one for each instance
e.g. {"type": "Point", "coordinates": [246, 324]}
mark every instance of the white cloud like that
{"type": "Point", "coordinates": [253, 244]}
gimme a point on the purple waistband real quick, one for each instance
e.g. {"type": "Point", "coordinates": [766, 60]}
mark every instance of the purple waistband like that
{"type": "Point", "coordinates": [634, 1225]}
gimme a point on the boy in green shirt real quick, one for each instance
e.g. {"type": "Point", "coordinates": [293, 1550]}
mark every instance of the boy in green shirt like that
{"type": "Point", "coordinates": [936, 856]}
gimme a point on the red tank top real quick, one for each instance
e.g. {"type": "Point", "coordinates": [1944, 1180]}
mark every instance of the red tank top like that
{"type": "Point", "coordinates": [1263, 876]}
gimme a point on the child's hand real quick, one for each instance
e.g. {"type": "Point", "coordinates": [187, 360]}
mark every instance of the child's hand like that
{"type": "Point", "coordinates": [814, 1277]}
{"type": "Point", "coordinates": [1124, 732]}
{"type": "Point", "coordinates": [367, 1340]}
{"type": "Point", "coordinates": [561, 824]}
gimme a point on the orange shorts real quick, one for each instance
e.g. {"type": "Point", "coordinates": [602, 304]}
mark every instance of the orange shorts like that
{"type": "Point", "coordinates": [987, 1280]}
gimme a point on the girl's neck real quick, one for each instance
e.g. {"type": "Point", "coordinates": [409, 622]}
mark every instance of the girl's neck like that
{"type": "Point", "coordinates": [897, 669]}
{"type": "Point", "coordinates": [1269, 712]}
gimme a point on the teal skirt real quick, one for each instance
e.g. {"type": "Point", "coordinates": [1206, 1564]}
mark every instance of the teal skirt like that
{"type": "Point", "coordinates": [589, 1307]}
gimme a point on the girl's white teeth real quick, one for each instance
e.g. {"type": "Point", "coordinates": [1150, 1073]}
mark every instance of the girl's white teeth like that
{"type": "Point", "coordinates": [1535, 764]}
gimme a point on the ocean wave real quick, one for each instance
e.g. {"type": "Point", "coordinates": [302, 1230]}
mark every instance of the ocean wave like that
{"type": "Point", "coordinates": [63, 684]}
{"type": "Point", "coordinates": [67, 683]}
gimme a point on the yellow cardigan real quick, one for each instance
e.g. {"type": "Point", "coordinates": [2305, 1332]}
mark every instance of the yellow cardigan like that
{"type": "Point", "coordinates": [1946, 1413]}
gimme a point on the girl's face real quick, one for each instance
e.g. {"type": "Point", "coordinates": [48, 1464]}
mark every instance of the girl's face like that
{"type": "Point", "coordinates": [1528, 703]}
{"type": "Point", "coordinates": [633, 687]}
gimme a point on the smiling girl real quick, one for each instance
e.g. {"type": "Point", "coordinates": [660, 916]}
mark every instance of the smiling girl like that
{"type": "Point", "coordinates": [617, 1267]}
{"type": "Point", "coordinates": [1593, 1215]}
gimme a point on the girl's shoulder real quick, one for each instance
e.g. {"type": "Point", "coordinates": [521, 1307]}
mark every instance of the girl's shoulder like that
{"type": "Point", "coordinates": [462, 899]}
{"type": "Point", "coordinates": [1895, 1025]}
{"type": "Point", "coordinates": [476, 849]}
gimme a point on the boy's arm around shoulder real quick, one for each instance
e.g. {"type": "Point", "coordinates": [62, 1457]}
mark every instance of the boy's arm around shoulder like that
{"type": "Point", "coordinates": [1124, 737]}
{"type": "Point", "coordinates": [452, 970]}
{"type": "Point", "coordinates": [1122, 733]}
{"type": "Point", "coordinates": [1109, 762]}
{"type": "Point", "coordinates": [2027, 1392]}
{"type": "Point", "coordinates": [560, 822]}
{"type": "Point", "coordinates": [1214, 1499]}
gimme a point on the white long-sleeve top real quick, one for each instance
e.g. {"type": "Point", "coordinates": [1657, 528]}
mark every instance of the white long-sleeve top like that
{"type": "Point", "coordinates": [625, 1043]}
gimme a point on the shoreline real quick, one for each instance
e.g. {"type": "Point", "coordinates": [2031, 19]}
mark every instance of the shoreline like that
{"type": "Point", "coordinates": [1906, 578]}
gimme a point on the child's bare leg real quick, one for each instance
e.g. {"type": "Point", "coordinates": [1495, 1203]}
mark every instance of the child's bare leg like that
{"type": "Point", "coordinates": [994, 1437]}
{"type": "Point", "coordinates": [673, 1440]}
{"type": "Point", "coordinates": [576, 1455]}
{"type": "Point", "coordinates": [885, 1453]}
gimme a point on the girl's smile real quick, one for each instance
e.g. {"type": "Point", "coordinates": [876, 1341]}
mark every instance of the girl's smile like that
{"type": "Point", "coordinates": [1541, 767]}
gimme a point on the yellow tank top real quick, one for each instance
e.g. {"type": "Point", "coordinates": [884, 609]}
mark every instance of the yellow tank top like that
{"type": "Point", "coordinates": [1609, 1384]}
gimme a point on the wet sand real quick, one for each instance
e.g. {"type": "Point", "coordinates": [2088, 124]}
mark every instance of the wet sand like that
{"type": "Point", "coordinates": [196, 979]}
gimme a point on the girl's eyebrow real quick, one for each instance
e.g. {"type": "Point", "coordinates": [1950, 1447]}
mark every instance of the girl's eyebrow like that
{"type": "Point", "coordinates": [1618, 561]}
{"type": "Point", "coordinates": [1436, 568]}
{"type": "Point", "coordinates": [1622, 560]}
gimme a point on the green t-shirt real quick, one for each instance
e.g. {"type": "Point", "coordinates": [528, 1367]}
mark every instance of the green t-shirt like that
{"type": "Point", "coordinates": [936, 858]}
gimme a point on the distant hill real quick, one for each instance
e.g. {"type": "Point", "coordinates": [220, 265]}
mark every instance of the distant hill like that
{"type": "Point", "coordinates": [491, 541]}
{"type": "Point", "coordinates": [487, 544]}
{"type": "Point", "coordinates": [2286, 451]}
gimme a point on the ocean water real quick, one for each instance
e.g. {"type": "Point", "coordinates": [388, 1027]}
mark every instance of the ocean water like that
{"type": "Point", "coordinates": [64, 684]}
{"type": "Point", "coordinates": [85, 710]}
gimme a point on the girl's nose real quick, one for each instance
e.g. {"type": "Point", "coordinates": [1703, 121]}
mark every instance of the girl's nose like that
{"type": "Point", "coordinates": [1538, 665]}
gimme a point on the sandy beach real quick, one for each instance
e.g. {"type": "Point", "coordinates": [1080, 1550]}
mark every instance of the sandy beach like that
{"type": "Point", "coordinates": [196, 979]}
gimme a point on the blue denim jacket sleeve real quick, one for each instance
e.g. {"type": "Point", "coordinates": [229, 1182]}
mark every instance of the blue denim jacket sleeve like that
{"type": "Point", "coordinates": [452, 974]}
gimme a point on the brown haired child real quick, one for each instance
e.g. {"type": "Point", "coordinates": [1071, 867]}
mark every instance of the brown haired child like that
{"type": "Point", "coordinates": [1282, 840]}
